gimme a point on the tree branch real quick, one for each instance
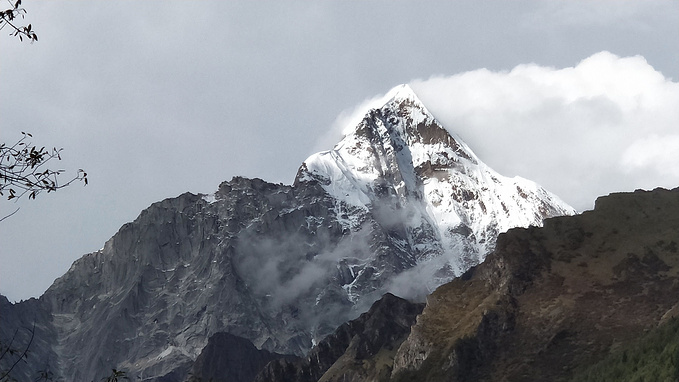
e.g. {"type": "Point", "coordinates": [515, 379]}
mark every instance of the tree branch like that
{"type": "Point", "coordinates": [23, 355]}
{"type": "Point", "coordinates": [5, 217]}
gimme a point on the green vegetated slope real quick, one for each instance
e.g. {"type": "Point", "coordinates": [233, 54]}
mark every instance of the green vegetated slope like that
{"type": "Point", "coordinates": [652, 358]}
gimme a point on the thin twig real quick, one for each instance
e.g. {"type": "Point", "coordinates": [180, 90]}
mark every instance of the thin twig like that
{"type": "Point", "coordinates": [1, 219]}
{"type": "Point", "coordinates": [22, 355]}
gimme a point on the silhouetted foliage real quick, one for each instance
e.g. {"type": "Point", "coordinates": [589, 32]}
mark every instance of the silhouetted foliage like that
{"type": "Point", "coordinates": [46, 375]}
{"type": "Point", "coordinates": [22, 170]}
{"type": "Point", "coordinates": [116, 376]}
{"type": "Point", "coordinates": [13, 355]}
{"type": "Point", "coordinates": [9, 17]}
{"type": "Point", "coordinates": [22, 165]}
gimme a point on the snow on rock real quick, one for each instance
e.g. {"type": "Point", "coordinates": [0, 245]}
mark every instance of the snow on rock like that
{"type": "Point", "coordinates": [399, 158]}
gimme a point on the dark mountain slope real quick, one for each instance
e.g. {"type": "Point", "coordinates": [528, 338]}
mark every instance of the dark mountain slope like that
{"type": "Point", "coordinates": [229, 358]}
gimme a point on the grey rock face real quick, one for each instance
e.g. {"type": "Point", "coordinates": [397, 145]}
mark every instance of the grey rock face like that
{"type": "Point", "coordinates": [281, 266]}
{"type": "Point", "coordinates": [25, 327]}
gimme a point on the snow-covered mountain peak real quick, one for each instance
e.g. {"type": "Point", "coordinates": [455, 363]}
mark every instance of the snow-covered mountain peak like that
{"type": "Point", "coordinates": [397, 142]}
{"type": "Point", "coordinates": [407, 119]}
{"type": "Point", "coordinates": [402, 92]}
{"type": "Point", "coordinates": [400, 158]}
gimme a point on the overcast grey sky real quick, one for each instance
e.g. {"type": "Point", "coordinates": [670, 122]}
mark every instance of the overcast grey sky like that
{"type": "Point", "coordinates": [156, 98]}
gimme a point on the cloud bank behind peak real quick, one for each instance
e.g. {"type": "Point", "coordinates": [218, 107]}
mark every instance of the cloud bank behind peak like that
{"type": "Point", "coordinates": [606, 124]}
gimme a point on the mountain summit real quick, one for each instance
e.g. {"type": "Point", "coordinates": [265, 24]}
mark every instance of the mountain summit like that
{"type": "Point", "coordinates": [401, 166]}
{"type": "Point", "coordinates": [399, 205]}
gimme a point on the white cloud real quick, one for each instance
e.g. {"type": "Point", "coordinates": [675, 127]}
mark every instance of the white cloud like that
{"type": "Point", "coordinates": [607, 124]}
{"type": "Point", "coordinates": [655, 155]}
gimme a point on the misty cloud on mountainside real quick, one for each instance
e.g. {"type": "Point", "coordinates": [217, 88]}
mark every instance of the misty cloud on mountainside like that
{"type": "Point", "coordinates": [271, 266]}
